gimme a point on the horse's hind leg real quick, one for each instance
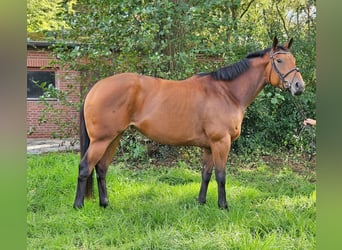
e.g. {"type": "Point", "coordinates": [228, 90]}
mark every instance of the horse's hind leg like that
{"type": "Point", "coordinates": [83, 174]}
{"type": "Point", "coordinates": [93, 155]}
{"type": "Point", "coordinates": [101, 171]}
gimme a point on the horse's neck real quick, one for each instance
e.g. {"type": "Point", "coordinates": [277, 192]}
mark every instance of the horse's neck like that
{"type": "Point", "coordinates": [251, 83]}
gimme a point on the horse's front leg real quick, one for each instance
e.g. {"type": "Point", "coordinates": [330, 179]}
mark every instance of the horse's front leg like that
{"type": "Point", "coordinates": [221, 188]}
{"type": "Point", "coordinates": [220, 151]}
{"type": "Point", "coordinates": [206, 175]}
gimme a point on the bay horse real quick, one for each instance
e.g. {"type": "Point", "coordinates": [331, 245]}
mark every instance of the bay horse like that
{"type": "Point", "coordinates": [205, 110]}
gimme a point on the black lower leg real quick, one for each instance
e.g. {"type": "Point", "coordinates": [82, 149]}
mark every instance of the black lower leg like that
{"type": "Point", "coordinates": [221, 186]}
{"type": "Point", "coordinates": [101, 183]}
{"type": "Point", "coordinates": [204, 186]}
{"type": "Point", "coordinates": [81, 184]}
{"type": "Point", "coordinates": [79, 199]}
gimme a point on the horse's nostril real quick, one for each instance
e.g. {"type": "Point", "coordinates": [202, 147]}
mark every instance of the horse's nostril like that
{"type": "Point", "coordinates": [299, 86]}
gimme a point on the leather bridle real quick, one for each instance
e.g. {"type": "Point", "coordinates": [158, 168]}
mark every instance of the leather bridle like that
{"type": "Point", "coordinates": [282, 77]}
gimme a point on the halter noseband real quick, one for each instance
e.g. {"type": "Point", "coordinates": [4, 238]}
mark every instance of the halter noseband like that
{"type": "Point", "coordinates": [280, 75]}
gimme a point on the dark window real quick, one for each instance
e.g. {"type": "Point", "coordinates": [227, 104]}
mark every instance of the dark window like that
{"type": "Point", "coordinates": [35, 78]}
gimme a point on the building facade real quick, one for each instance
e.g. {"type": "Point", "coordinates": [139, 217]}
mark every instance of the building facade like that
{"type": "Point", "coordinates": [58, 119]}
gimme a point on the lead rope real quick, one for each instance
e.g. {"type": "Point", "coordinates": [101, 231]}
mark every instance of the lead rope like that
{"type": "Point", "coordinates": [299, 106]}
{"type": "Point", "coordinates": [312, 149]}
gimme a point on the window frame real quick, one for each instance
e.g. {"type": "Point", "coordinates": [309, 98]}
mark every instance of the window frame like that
{"type": "Point", "coordinates": [38, 69]}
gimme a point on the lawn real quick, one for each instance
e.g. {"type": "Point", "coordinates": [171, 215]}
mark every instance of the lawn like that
{"type": "Point", "coordinates": [271, 207]}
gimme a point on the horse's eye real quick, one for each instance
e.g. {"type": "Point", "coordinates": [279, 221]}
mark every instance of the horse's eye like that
{"type": "Point", "coordinates": [279, 60]}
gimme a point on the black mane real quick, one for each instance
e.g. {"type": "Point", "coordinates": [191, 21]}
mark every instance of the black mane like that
{"type": "Point", "coordinates": [234, 70]}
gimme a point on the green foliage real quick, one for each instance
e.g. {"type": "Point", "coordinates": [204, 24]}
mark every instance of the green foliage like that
{"type": "Point", "coordinates": [274, 121]}
{"type": "Point", "coordinates": [57, 105]}
{"type": "Point", "coordinates": [175, 39]}
{"type": "Point", "coordinates": [42, 16]}
{"type": "Point", "coordinates": [133, 146]}
{"type": "Point", "coordinates": [156, 208]}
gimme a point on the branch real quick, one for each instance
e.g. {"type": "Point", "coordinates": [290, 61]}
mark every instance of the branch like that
{"type": "Point", "coordinates": [248, 5]}
{"type": "Point", "coordinates": [283, 21]}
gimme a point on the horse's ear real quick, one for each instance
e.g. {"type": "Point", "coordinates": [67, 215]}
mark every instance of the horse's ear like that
{"type": "Point", "coordinates": [275, 43]}
{"type": "Point", "coordinates": [289, 43]}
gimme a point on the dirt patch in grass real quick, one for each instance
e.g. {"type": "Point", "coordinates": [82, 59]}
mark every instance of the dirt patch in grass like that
{"type": "Point", "coordinates": [301, 164]}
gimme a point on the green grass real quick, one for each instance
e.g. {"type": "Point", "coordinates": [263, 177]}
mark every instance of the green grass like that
{"type": "Point", "coordinates": [156, 208]}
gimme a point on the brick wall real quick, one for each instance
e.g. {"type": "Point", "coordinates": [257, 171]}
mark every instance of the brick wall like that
{"type": "Point", "coordinates": [36, 59]}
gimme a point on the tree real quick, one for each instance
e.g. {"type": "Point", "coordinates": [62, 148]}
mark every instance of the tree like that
{"type": "Point", "coordinates": [177, 38]}
{"type": "Point", "coordinates": [42, 17]}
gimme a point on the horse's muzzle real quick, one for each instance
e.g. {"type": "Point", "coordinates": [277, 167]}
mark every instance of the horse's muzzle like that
{"type": "Point", "coordinates": [297, 88]}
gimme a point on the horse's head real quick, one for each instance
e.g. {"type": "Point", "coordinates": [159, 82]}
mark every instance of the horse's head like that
{"type": "Point", "coordinates": [284, 73]}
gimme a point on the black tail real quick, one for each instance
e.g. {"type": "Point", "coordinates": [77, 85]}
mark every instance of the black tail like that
{"type": "Point", "coordinates": [84, 144]}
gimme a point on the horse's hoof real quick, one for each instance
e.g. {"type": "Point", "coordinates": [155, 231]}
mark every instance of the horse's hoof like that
{"type": "Point", "coordinates": [201, 201]}
{"type": "Point", "coordinates": [104, 204]}
{"type": "Point", "coordinates": [224, 207]}
{"type": "Point", "coordinates": [77, 206]}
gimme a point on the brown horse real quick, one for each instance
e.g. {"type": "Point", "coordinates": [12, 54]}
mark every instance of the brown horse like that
{"type": "Point", "coordinates": [205, 110]}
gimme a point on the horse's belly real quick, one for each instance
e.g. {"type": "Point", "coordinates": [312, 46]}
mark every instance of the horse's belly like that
{"type": "Point", "coordinates": [172, 131]}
